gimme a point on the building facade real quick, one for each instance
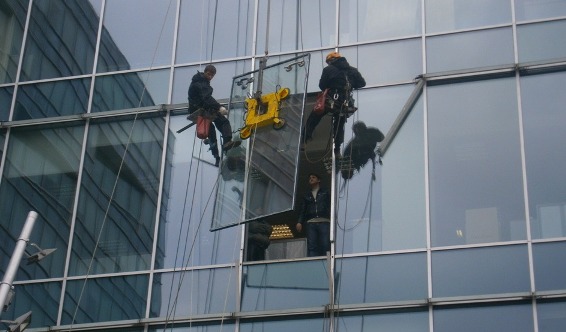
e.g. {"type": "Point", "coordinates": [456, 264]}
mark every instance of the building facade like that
{"type": "Point", "coordinates": [463, 228]}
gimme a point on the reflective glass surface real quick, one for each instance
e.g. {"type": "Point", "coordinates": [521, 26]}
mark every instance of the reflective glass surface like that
{"type": "Point", "coordinates": [370, 19]}
{"type": "Point", "coordinates": [12, 21]}
{"type": "Point", "coordinates": [476, 187]}
{"type": "Point", "coordinates": [385, 278]}
{"type": "Point", "coordinates": [61, 40]}
{"type": "Point", "coordinates": [103, 299]}
{"type": "Point", "coordinates": [450, 15]}
{"type": "Point", "coordinates": [136, 34]}
{"type": "Point", "coordinates": [495, 318]}
{"type": "Point", "coordinates": [466, 50]}
{"type": "Point", "coordinates": [5, 102]}
{"type": "Point", "coordinates": [285, 325]}
{"type": "Point", "coordinates": [189, 293]}
{"type": "Point", "coordinates": [40, 174]}
{"type": "Point", "coordinates": [214, 29]}
{"type": "Point", "coordinates": [131, 90]}
{"type": "Point", "coordinates": [541, 41]}
{"type": "Point", "coordinates": [271, 134]}
{"type": "Point", "coordinates": [285, 285]}
{"type": "Point", "coordinates": [50, 99]}
{"type": "Point", "coordinates": [532, 10]}
{"type": "Point", "coordinates": [189, 188]}
{"type": "Point", "coordinates": [40, 298]}
{"type": "Point", "coordinates": [118, 197]}
{"type": "Point", "coordinates": [543, 102]}
{"type": "Point", "coordinates": [385, 321]}
{"type": "Point", "coordinates": [479, 271]}
{"type": "Point", "coordinates": [551, 315]}
{"type": "Point", "coordinates": [222, 326]}
{"type": "Point", "coordinates": [550, 273]}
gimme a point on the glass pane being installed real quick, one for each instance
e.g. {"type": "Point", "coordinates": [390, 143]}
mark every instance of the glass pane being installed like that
{"type": "Point", "coordinates": [266, 109]}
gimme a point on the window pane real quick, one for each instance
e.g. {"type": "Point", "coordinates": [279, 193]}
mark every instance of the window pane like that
{"type": "Point", "coordinates": [40, 174]}
{"type": "Point", "coordinates": [285, 285]}
{"type": "Point", "coordinates": [532, 10]}
{"type": "Point", "coordinates": [480, 271]}
{"type": "Point", "coordinates": [130, 90]}
{"type": "Point", "coordinates": [385, 278]}
{"type": "Point", "coordinates": [449, 15]}
{"type": "Point", "coordinates": [136, 34]}
{"type": "Point", "coordinates": [41, 298]}
{"type": "Point", "coordinates": [5, 102]}
{"type": "Point", "coordinates": [470, 50]}
{"type": "Point", "coordinates": [542, 41]}
{"type": "Point", "coordinates": [385, 321]}
{"type": "Point", "coordinates": [550, 273]}
{"type": "Point", "coordinates": [222, 326]}
{"type": "Point", "coordinates": [45, 100]}
{"type": "Point", "coordinates": [192, 293]}
{"type": "Point", "coordinates": [105, 299]}
{"type": "Point", "coordinates": [370, 19]}
{"type": "Point", "coordinates": [285, 325]}
{"type": "Point", "coordinates": [484, 318]}
{"type": "Point", "coordinates": [551, 316]}
{"type": "Point", "coordinates": [118, 198]}
{"type": "Point", "coordinates": [214, 30]}
{"type": "Point", "coordinates": [12, 21]}
{"type": "Point", "coordinates": [61, 39]}
{"type": "Point", "coordinates": [543, 120]}
{"type": "Point", "coordinates": [476, 187]}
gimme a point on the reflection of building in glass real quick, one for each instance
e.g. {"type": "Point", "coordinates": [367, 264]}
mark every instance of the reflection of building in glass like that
{"type": "Point", "coordinates": [463, 228]}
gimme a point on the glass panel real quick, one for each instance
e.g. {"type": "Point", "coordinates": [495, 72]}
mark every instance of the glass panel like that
{"type": "Point", "coordinates": [449, 15]}
{"type": "Point", "coordinates": [385, 321]}
{"type": "Point", "coordinates": [194, 293]}
{"type": "Point", "coordinates": [543, 120]}
{"type": "Point", "coordinates": [532, 10]}
{"type": "Point", "coordinates": [475, 49]}
{"type": "Point", "coordinates": [551, 315]}
{"type": "Point", "coordinates": [40, 174]}
{"type": "Point", "coordinates": [61, 39]}
{"type": "Point", "coordinates": [285, 285]}
{"type": "Point", "coordinates": [136, 34]}
{"type": "Point", "coordinates": [274, 142]}
{"type": "Point", "coordinates": [476, 187]}
{"type": "Point", "coordinates": [222, 326]}
{"type": "Point", "coordinates": [12, 21]}
{"type": "Point", "coordinates": [5, 102]}
{"type": "Point", "coordinates": [214, 29]}
{"type": "Point", "coordinates": [130, 90]}
{"type": "Point", "coordinates": [187, 190]}
{"type": "Point", "coordinates": [385, 278]}
{"type": "Point", "coordinates": [118, 198]}
{"type": "Point", "coordinates": [45, 100]}
{"type": "Point", "coordinates": [105, 299]}
{"type": "Point", "coordinates": [41, 298]}
{"type": "Point", "coordinates": [369, 19]}
{"type": "Point", "coordinates": [467, 271]}
{"type": "Point", "coordinates": [542, 41]}
{"type": "Point", "coordinates": [550, 273]}
{"type": "Point", "coordinates": [285, 325]}
{"type": "Point", "coordinates": [389, 62]}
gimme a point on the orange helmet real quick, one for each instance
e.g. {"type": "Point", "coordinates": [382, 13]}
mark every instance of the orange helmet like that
{"type": "Point", "coordinates": [332, 56]}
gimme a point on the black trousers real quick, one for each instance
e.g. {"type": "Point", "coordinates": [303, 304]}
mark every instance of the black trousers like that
{"type": "Point", "coordinates": [338, 121]}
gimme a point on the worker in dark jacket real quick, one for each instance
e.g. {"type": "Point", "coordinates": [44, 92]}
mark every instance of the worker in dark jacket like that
{"type": "Point", "coordinates": [315, 217]}
{"type": "Point", "coordinates": [341, 79]}
{"type": "Point", "coordinates": [258, 239]}
{"type": "Point", "coordinates": [200, 98]}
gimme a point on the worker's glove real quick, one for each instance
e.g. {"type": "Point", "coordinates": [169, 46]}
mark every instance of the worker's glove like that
{"type": "Point", "coordinates": [223, 110]}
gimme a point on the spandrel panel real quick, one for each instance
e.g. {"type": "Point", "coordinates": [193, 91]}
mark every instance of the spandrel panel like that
{"type": "Point", "coordinates": [545, 41]}
{"type": "Point", "coordinates": [270, 127]}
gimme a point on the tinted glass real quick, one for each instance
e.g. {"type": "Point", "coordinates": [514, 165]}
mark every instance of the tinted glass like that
{"type": "Point", "coordinates": [61, 39]}
{"type": "Point", "coordinates": [102, 299]}
{"type": "Point", "coordinates": [551, 316]}
{"type": "Point", "coordinates": [5, 102]}
{"type": "Point", "coordinates": [192, 293]}
{"type": "Point", "coordinates": [449, 15]}
{"type": "Point", "coordinates": [543, 121]}
{"type": "Point", "coordinates": [40, 174]}
{"type": "Point", "coordinates": [541, 41]}
{"type": "Point", "coordinates": [385, 278]}
{"type": "Point", "coordinates": [40, 298]}
{"type": "Point", "coordinates": [466, 50]}
{"type": "Point", "coordinates": [118, 198]}
{"type": "Point", "coordinates": [532, 10]}
{"type": "Point", "coordinates": [484, 318]}
{"type": "Point", "coordinates": [222, 326]}
{"type": "Point", "coordinates": [381, 19]}
{"type": "Point", "coordinates": [130, 90]}
{"type": "Point", "coordinates": [476, 186]}
{"type": "Point", "coordinates": [214, 29]}
{"type": "Point", "coordinates": [284, 325]}
{"type": "Point", "coordinates": [385, 321]}
{"type": "Point", "coordinates": [136, 34]}
{"type": "Point", "coordinates": [12, 21]}
{"type": "Point", "coordinates": [52, 99]}
{"type": "Point", "coordinates": [550, 273]}
{"type": "Point", "coordinates": [468, 271]}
